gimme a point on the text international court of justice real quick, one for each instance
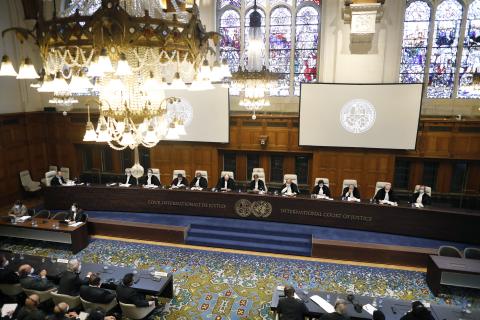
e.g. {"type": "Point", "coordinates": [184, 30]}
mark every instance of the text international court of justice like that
{"type": "Point", "coordinates": [240, 159]}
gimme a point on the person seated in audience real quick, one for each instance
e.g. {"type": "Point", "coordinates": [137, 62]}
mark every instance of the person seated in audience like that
{"type": "Point", "coordinates": [29, 280]}
{"type": "Point", "coordinates": [58, 180]}
{"type": "Point", "coordinates": [421, 198]}
{"type": "Point", "coordinates": [418, 312]}
{"type": "Point", "coordinates": [7, 276]}
{"type": "Point", "coordinates": [289, 188]}
{"type": "Point", "coordinates": [18, 210]}
{"type": "Point", "coordinates": [70, 281]}
{"type": "Point", "coordinates": [99, 314]}
{"type": "Point", "coordinates": [30, 310]}
{"type": "Point", "coordinates": [93, 293]}
{"type": "Point", "coordinates": [199, 182]}
{"type": "Point", "coordinates": [61, 312]}
{"type": "Point", "coordinates": [226, 183]}
{"type": "Point", "coordinates": [76, 214]}
{"type": "Point", "coordinates": [129, 179]}
{"type": "Point", "coordinates": [180, 182]}
{"type": "Point", "coordinates": [321, 189]}
{"type": "Point", "coordinates": [351, 193]}
{"type": "Point", "coordinates": [257, 185]}
{"type": "Point", "coordinates": [385, 195]}
{"type": "Point", "coordinates": [151, 179]}
{"type": "Point", "coordinates": [340, 312]}
{"type": "Point", "coordinates": [289, 307]}
{"type": "Point", "coordinates": [378, 315]}
{"type": "Point", "coordinates": [127, 294]}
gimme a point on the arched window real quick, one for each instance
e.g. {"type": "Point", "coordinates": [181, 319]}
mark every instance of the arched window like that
{"type": "Point", "coordinates": [415, 42]}
{"type": "Point", "coordinates": [230, 42]}
{"type": "Point", "coordinates": [471, 53]}
{"type": "Point", "coordinates": [280, 48]}
{"type": "Point", "coordinates": [443, 58]}
{"type": "Point", "coordinates": [306, 44]}
{"type": "Point", "coordinates": [291, 29]}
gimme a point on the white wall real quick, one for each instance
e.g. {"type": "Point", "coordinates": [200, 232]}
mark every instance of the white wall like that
{"type": "Point", "coordinates": [337, 62]}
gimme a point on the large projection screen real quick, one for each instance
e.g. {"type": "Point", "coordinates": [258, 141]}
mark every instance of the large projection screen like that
{"type": "Point", "coordinates": [383, 116]}
{"type": "Point", "coordinates": [210, 114]}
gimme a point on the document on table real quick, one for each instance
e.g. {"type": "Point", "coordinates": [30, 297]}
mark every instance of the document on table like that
{"type": "Point", "coordinates": [369, 308]}
{"type": "Point", "coordinates": [23, 219]}
{"type": "Point", "coordinates": [124, 185]}
{"type": "Point", "coordinates": [8, 309]}
{"type": "Point", "coordinates": [76, 224]}
{"type": "Point", "coordinates": [323, 303]}
{"type": "Point", "coordinates": [82, 315]}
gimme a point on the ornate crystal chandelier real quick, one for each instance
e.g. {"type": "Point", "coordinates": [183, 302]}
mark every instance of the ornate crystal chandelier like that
{"type": "Point", "coordinates": [255, 80]}
{"type": "Point", "coordinates": [126, 53]}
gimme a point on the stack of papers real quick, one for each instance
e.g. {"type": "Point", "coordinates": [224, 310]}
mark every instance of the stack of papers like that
{"type": "Point", "coordinates": [323, 303]}
{"type": "Point", "coordinates": [369, 308]}
{"type": "Point", "coordinates": [23, 219]}
{"type": "Point", "coordinates": [76, 224]}
{"type": "Point", "coordinates": [124, 185]}
{"type": "Point", "coordinates": [8, 309]}
{"type": "Point", "coordinates": [159, 274]}
{"type": "Point", "coordinates": [82, 315]}
{"type": "Point", "coordinates": [62, 260]}
{"type": "Point", "coordinates": [150, 186]}
{"type": "Point", "coordinates": [111, 184]}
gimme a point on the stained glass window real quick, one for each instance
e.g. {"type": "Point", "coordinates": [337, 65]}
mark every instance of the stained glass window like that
{"type": "Point", "coordinates": [250, 3]}
{"type": "Point", "coordinates": [275, 2]}
{"type": "Point", "coordinates": [247, 30]}
{"type": "Point", "coordinates": [299, 2]}
{"type": "Point", "coordinates": [230, 42]}
{"type": "Point", "coordinates": [415, 42]}
{"type": "Point", "coordinates": [443, 65]}
{"type": "Point", "coordinates": [280, 47]}
{"type": "Point", "coordinates": [235, 3]}
{"type": "Point", "coordinates": [306, 43]}
{"type": "Point", "coordinates": [471, 53]}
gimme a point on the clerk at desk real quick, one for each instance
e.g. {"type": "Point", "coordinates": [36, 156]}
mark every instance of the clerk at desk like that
{"type": "Point", "coordinates": [226, 183]}
{"type": "Point", "coordinates": [58, 180]}
{"type": "Point", "coordinates": [18, 210]}
{"type": "Point", "coordinates": [151, 179]}
{"type": "Point", "coordinates": [76, 214]}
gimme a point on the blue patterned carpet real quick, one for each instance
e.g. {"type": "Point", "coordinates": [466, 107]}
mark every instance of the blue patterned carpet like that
{"type": "Point", "coordinates": [216, 285]}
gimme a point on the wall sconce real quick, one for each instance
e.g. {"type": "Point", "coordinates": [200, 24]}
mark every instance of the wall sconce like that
{"type": "Point", "coordinates": [263, 141]}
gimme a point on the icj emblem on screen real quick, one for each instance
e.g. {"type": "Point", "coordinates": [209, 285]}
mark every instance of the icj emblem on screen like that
{"type": "Point", "coordinates": [357, 116]}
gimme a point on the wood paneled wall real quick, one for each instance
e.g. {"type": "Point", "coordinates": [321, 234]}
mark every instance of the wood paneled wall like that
{"type": "Point", "coordinates": [35, 140]}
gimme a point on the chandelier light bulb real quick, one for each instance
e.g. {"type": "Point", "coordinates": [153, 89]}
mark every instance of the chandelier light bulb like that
{"type": "Point", "coordinates": [172, 133]}
{"type": "Point", "coordinates": [80, 83]}
{"type": "Point", "coordinates": [217, 74]}
{"type": "Point", "coordinates": [90, 134]}
{"type": "Point", "coordinates": [205, 71]}
{"type": "Point", "coordinates": [27, 70]}
{"type": "Point", "coordinates": [226, 69]}
{"type": "Point", "coordinates": [6, 68]}
{"type": "Point", "coordinates": [47, 84]}
{"type": "Point", "coordinates": [94, 70]}
{"type": "Point", "coordinates": [150, 136]}
{"type": "Point", "coordinates": [104, 62]}
{"type": "Point", "coordinates": [59, 84]}
{"type": "Point", "coordinates": [177, 83]}
{"type": "Point", "coordinates": [123, 68]}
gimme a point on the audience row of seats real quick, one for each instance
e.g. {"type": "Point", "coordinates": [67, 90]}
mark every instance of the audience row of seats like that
{"type": "Point", "coordinates": [451, 251]}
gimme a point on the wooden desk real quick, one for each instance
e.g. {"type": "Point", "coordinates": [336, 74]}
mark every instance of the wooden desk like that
{"type": "Point", "coordinates": [111, 275]}
{"type": "Point", "coordinates": [76, 237]}
{"type": "Point", "coordinates": [434, 223]}
{"type": "Point", "coordinates": [392, 308]}
{"type": "Point", "coordinates": [449, 271]}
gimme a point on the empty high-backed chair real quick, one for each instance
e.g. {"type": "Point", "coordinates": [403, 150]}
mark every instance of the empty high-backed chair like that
{"type": "Point", "coordinates": [428, 190]}
{"type": "Point", "coordinates": [325, 181]}
{"type": "Point", "coordinates": [130, 311]}
{"type": "Point", "coordinates": [471, 253]}
{"type": "Point", "coordinates": [65, 172]}
{"type": "Point", "coordinates": [27, 183]}
{"type": "Point", "coordinates": [42, 214]}
{"type": "Point", "coordinates": [176, 172]}
{"type": "Point", "coordinates": [449, 251]}
{"type": "Point", "coordinates": [290, 176]}
{"type": "Point", "coordinates": [230, 173]}
{"type": "Point", "coordinates": [203, 173]}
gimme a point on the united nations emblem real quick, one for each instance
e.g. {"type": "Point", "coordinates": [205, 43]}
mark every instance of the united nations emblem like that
{"type": "Point", "coordinates": [242, 208]}
{"type": "Point", "coordinates": [357, 116]}
{"type": "Point", "coordinates": [261, 209]}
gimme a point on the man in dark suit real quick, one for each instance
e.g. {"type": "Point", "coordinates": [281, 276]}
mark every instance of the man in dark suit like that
{"type": "Point", "coordinates": [30, 310]}
{"type": "Point", "coordinates": [339, 313]}
{"type": "Point", "coordinates": [257, 184]}
{"type": "Point", "coordinates": [180, 182]}
{"type": "Point", "coordinates": [351, 193]}
{"type": "Point", "coordinates": [151, 179]}
{"type": "Point", "coordinates": [418, 312]}
{"type": "Point", "coordinates": [129, 179]}
{"type": "Point", "coordinates": [61, 312]}
{"type": "Point", "coordinates": [290, 188]}
{"type": "Point", "coordinates": [421, 198]}
{"type": "Point", "coordinates": [7, 276]}
{"type": "Point", "coordinates": [321, 189]}
{"type": "Point", "coordinates": [76, 214]}
{"type": "Point", "coordinates": [29, 280]}
{"type": "Point", "coordinates": [70, 281]}
{"type": "Point", "coordinates": [290, 308]}
{"type": "Point", "coordinates": [58, 180]}
{"type": "Point", "coordinates": [93, 293]}
{"type": "Point", "coordinates": [199, 182]}
{"type": "Point", "coordinates": [226, 183]}
{"type": "Point", "coordinates": [127, 294]}
{"type": "Point", "coordinates": [385, 195]}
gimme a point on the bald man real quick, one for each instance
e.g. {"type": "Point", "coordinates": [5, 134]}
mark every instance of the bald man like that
{"type": "Point", "coordinates": [61, 312]}
{"type": "Point", "coordinates": [30, 310]}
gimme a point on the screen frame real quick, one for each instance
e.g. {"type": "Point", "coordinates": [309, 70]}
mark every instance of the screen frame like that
{"type": "Point", "coordinates": [359, 84]}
